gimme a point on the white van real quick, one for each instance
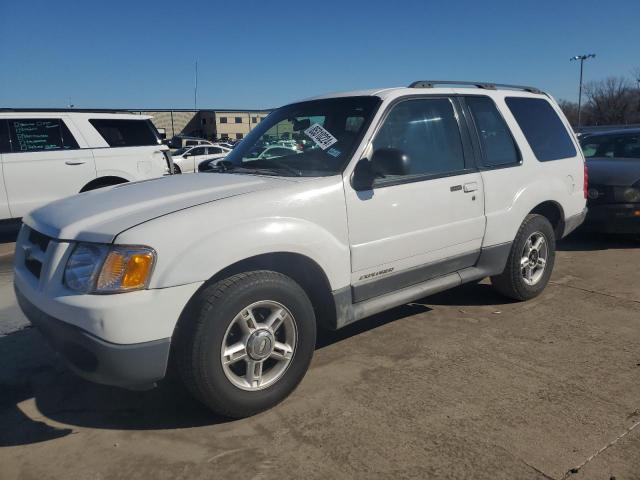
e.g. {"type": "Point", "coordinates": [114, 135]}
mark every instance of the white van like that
{"type": "Point", "coordinates": [47, 155]}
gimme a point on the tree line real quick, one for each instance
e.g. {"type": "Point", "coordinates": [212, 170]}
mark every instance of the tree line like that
{"type": "Point", "coordinates": [612, 101]}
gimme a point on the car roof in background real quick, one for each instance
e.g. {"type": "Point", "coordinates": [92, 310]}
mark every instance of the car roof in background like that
{"type": "Point", "coordinates": [85, 113]}
{"type": "Point", "coordinates": [618, 131]}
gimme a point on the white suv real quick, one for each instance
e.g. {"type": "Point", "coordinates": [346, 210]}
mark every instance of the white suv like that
{"type": "Point", "coordinates": [47, 155]}
{"type": "Point", "coordinates": [398, 194]}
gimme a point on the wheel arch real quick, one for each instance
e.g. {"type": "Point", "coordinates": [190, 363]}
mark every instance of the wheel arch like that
{"type": "Point", "coordinates": [105, 181]}
{"type": "Point", "coordinates": [302, 269]}
{"type": "Point", "coordinates": [553, 212]}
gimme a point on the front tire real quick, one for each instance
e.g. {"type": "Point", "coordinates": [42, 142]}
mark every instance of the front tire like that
{"type": "Point", "coordinates": [244, 343]}
{"type": "Point", "coordinates": [530, 261]}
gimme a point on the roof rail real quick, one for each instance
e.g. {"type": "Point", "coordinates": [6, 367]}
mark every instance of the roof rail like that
{"type": "Point", "coordinates": [49, 110]}
{"type": "Point", "coordinates": [483, 85]}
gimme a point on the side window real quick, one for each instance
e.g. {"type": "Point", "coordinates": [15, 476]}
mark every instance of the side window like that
{"type": "Point", "coordinates": [498, 145]}
{"type": "Point", "coordinates": [630, 147]}
{"type": "Point", "coordinates": [40, 134]}
{"type": "Point", "coordinates": [598, 146]}
{"type": "Point", "coordinates": [125, 133]}
{"type": "Point", "coordinates": [427, 132]}
{"type": "Point", "coordinates": [543, 129]}
{"type": "Point", "coordinates": [214, 150]}
{"type": "Point", "coordinates": [197, 151]}
{"type": "Point", "coordinates": [5, 144]}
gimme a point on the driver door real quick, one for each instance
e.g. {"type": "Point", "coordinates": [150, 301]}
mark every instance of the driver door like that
{"type": "Point", "coordinates": [427, 221]}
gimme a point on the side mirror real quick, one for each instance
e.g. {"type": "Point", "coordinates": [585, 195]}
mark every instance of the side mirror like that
{"type": "Point", "coordinates": [363, 176]}
{"type": "Point", "coordinates": [390, 161]}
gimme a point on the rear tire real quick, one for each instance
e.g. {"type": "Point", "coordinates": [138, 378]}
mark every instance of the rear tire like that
{"type": "Point", "coordinates": [530, 261]}
{"type": "Point", "coordinates": [245, 343]}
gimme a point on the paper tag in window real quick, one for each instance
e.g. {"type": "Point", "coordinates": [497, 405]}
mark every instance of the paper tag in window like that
{"type": "Point", "coordinates": [321, 136]}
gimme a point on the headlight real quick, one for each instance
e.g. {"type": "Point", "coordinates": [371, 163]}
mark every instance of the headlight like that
{"type": "Point", "coordinates": [631, 195]}
{"type": "Point", "coordinates": [96, 268]}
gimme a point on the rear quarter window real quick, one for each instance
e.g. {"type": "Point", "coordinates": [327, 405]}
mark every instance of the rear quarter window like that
{"type": "Point", "coordinates": [40, 134]}
{"type": "Point", "coordinates": [546, 134]}
{"type": "Point", "coordinates": [125, 133]}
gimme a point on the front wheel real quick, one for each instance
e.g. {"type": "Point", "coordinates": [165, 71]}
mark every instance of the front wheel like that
{"type": "Point", "coordinates": [246, 342]}
{"type": "Point", "coordinates": [530, 261]}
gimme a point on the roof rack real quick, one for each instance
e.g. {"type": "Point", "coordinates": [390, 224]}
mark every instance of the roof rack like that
{"type": "Point", "coordinates": [483, 85]}
{"type": "Point", "coordinates": [48, 110]}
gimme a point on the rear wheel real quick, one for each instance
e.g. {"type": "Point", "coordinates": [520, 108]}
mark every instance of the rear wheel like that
{"type": "Point", "coordinates": [176, 169]}
{"type": "Point", "coordinates": [530, 261]}
{"type": "Point", "coordinates": [246, 342]}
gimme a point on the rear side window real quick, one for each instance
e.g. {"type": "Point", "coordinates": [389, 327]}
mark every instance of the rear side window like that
{"type": "Point", "coordinates": [543, 129]}
{"type": "Point", "coordinates": [125, 133]}
{"type": "Point", "coordinates": [5, 145]}
{"type": "Point", "coordinates": [40, 134]}
{"type": "Point", "coordinates": [498, 145]}
{"type": "Point", "coordinates": [620, 146]}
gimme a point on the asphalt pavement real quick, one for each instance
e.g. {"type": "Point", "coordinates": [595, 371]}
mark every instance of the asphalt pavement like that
{"type": "Point", "coordinates": [463, 384]}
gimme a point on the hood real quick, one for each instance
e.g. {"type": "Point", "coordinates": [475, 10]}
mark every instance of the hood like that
{"type": "Point", "coordinates": [100, 215]}
{"type": "Point", "coordinates": [613, 171]}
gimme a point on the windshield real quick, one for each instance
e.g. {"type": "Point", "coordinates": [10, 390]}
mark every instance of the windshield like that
{"type": "Point", "coordinates": [314, 138]}
{"type": "Point", "coordinates": [612, 146]}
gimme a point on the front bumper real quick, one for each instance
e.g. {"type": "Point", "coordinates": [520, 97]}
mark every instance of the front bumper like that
{"type": "Point", "coordinates": [622, 218]}
{"type": "Point", "coordinates": [134, 366]}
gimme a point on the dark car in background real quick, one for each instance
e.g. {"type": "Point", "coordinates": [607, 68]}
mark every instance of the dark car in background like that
{"type": "Point", "coordinates": [613, 162]}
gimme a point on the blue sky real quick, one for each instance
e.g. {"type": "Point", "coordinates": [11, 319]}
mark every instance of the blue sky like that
{"type": "Point", "coordinates": [255, 54]}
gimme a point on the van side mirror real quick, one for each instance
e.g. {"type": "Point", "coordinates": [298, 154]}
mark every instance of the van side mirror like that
{"type": "Point", "coordinates": [363, 176]}
{"type": "Point", "coordinates": [384, 161]}
{"type": "Point", "coordinates": [390, 161]}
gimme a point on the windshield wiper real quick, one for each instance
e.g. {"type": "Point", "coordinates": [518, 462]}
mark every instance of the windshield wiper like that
{"type": "Point", "coordinates": [275, 165]}
{"type": "Point", "coordinates": [272, 167]}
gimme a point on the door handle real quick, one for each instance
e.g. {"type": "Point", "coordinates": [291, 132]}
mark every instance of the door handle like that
{"type": "Point", "coordinates": [75, 162]}
{"type": "Point", "coordinates": [470, 187]}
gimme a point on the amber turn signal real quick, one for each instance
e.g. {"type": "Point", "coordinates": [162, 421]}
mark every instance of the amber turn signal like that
{"type": "Point", "coordinates": [126, 268]}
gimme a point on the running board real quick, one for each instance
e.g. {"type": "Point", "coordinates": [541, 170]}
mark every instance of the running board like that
{"type": "Point", "coordinates": [375, 305]}
{"type": "Point", "coordinates": [492, 261]}
{"type": "Point", "coordinates": [348, 312]}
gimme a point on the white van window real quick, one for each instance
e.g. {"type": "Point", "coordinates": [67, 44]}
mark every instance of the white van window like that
{"type": "Point", "coordinates": [40, 134]}
{"type": "Point", "coordinates": [125, 133]}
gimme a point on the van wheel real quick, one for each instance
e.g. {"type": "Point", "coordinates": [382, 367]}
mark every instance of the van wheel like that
{"type": "Point", "coordinates": [244, 343]}
{"type": "Point", "coordinates": [530, 261]}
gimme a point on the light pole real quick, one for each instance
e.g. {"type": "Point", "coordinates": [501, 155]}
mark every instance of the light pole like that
{"type": "Point", "coordinates": [582, 58]}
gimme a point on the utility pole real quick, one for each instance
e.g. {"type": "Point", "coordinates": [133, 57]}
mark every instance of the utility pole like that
{"type": "Point", "coordinates": [582, 58]}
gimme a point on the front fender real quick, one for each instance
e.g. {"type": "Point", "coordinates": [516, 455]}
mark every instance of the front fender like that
{"type": "Point", "coordinates": [200, 257]}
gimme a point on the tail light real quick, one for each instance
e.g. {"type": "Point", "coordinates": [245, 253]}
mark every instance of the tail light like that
{"type": "Point", "coordinates": [585, 184]}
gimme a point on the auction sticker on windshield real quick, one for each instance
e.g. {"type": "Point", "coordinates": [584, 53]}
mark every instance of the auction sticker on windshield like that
{"type": "Point", "coordinates": [321, 136]}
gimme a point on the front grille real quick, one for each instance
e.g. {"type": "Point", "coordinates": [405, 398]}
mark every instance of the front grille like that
{"type": "Point", "coordinates": [39, 239]}
{"type": "Point", "coordinates": [34, 266]}
{"type": "Point", "coordinates": [34, 246]}
{"type": "Point", "coordinates": [605, 194]}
